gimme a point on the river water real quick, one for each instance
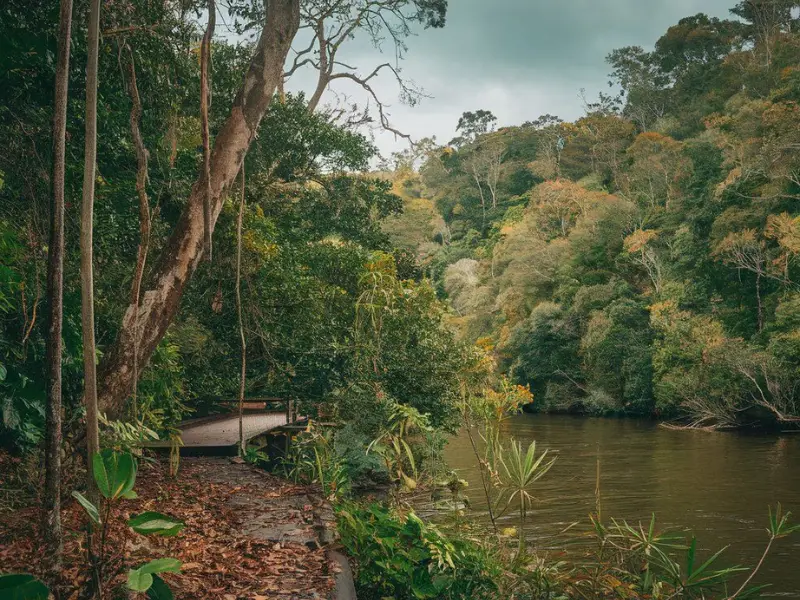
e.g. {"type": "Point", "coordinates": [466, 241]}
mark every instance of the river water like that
{"type": "Point", "coordinates": [717, 485]}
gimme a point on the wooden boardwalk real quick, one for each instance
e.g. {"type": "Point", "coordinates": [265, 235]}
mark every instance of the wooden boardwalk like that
{"type": "Point", "coordinates": [225, 430]}
{"type": "Point", "coordinates": [219, 435]}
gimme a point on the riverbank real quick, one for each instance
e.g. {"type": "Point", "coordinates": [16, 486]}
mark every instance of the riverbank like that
{"type": "Point", "coordinates": [757, 420]}
{"type": "Point", "coordinates": [248, 534]}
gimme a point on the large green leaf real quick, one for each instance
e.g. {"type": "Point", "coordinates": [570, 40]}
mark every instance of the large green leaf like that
{"type": "Point", "coordinates": [87, 505]}
{"type": "Point", "coordinates": [159, 590]}
{"type": "Point", "coordinates": [21, 586]}
{"type": "Point", "coordinates": [141, 579]}
{"type": "Point", "coordinates": [161, 565]}
{"type": "Point", "coordinates": [114, 473]}
{"type": "Point", "coordinates": [154, 523]}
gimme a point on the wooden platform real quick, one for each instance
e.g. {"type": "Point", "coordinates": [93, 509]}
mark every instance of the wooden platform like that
{"type": "Point", "coordinates": [219, 435]}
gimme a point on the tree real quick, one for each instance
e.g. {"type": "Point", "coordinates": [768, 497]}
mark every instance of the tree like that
{"type": "Point", "coordinates": [87, 268]}
{"type": "Point", "coordinates": [205, 99]}
{"type": "Point", "coordinates": [743, 250]}
{"type": "Point", "coordinates": [638, 246]}
{"type": "Point", "coordinates": [544, 348]}
{"type": "Point", "coordinates": [559, 204]}
{"type": "Point", "coordinates": [145, 216]}
{"type": "Point", "coordinates": [643, 83]}
{"type": "Point", "coordinates": [552, 135]}
{"type": "Point", "coordinates": [768, 19]}
{"type": "Point", "coordinates": [55, 289]}
{"type": "Point", "coordinates": [243, 374]}
{"type": "Point", "coordinates": [483, 166]}
{"type": "Point", "coordinates": [333, 22]}
{"type": "Point", "coordinates": [656, 173]}
{"type": "Point", "coordinates": [608, 136]}
{"type": "Point", "coordinates": [472, 125]}
{"type": "Point", "coordinates": [183, 249]}
{"type": "Point", "coordinates": [696, 41]}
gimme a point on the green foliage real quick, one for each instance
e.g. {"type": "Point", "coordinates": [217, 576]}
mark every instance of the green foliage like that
{"type": "Point", "coordinates": [312, 458]}
{"type": "Point", "coordinates": [350, 446]}
{"type": "Point", "coordinates": [255, 456]}
{"type": "Point", "coordinates": [680, 190]}
{"type": "Point", "coordinates": [545, 348]}
{"type": "Point", "coordinates": [91, 510]}
{"type": "Point", "coordinates": [19, 586]}
{"type": "Point", "coordinates": [400, 556]}
{"type": "Point", "coordinates": [312, 222]}
{"type": "Point", "coordinates": [159, 590]}
{"type": "Point", "coordinates": [141, 578]}
{"type": "Point", "coordinates": [520, 471]}
{"type": "Point", "coordinates": [155, 523]}
{"type": "Point", "coordinates": [125, 436]}
{"type": "Point", "coordinates": [637, 560]}
{"type": "Point", "coordinates": [114, 473]}
{"type": "Point", "coordinates": [115, 476]}
{"type": "Point", "coordinates": [394, 443]}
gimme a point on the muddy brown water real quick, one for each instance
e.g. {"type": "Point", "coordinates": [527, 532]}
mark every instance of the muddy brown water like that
{"type": "Point", "coordinates": [715, 485]}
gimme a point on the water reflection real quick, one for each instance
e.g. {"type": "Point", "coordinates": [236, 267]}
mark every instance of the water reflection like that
{"type": "Point", "coordinates": [717, 485]}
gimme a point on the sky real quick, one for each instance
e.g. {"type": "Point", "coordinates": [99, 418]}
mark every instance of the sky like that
{"type": "Point", "coordinates": [517, 58]}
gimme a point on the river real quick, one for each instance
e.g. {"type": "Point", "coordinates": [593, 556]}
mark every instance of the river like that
{"type": "Point", "coordinates": [717, 485]}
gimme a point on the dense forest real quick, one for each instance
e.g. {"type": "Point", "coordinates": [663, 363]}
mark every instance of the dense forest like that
{"type": "Point", "coordinates": [185, 233]}
{"type": "Point", "coordinates": [642, 259]}
{"type": "Point", "coordinates": [313, 254]}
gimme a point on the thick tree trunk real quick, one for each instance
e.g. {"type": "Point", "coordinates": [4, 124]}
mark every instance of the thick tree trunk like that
{"type": "Point", "coordinates": [183, 251]}
{"type": "Point", "coordinates": [51, 526]}
{"type": "Point", "coordinates": [87, 218]}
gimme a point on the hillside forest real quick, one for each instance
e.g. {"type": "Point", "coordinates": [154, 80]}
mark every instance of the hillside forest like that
{"type": "Point", "coordinates": [641, 260]}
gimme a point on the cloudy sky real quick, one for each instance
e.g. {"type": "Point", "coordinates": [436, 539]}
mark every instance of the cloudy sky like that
{"type": "Point", "coordinates": [517, 58]}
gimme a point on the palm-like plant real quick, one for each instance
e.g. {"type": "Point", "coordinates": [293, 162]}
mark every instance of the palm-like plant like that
{"type": "Point", "coordinates": [520, 471]}
{"type": "Point", "coordinates": [393, 443]}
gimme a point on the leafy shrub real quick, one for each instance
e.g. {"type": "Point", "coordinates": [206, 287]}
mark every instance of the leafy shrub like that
{"type": "Point", "coordinates": [400, 556]}
{"type": "Point", "coordinates": [115, 476]}
{"type": "Point", "coordinates": [351, 448]}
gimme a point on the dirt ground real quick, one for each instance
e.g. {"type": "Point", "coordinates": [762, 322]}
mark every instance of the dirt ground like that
{"type": "Point", "coordinates": [248, 535]}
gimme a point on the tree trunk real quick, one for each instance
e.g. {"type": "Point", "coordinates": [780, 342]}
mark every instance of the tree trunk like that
{"type": "Point", "coordinates": [243, 373]}
{"type": "Point", "coordinates": [759, 303]}
{"type": "Point", "coordinates": [205, 100]}
{"type": "Point", "coordinates": [181, 255]}
{"type": "Point", "coordinates": [87, 216]}
{"type": "Point", "coordinates": [51, 526]}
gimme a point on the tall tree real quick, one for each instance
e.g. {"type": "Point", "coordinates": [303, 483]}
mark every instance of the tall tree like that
{"type": "Point", "coordinates": [332, 23]}
{"type": "Point", "coordinates": [645, 85]}
{"type": "Point", "coordinates": [183, 250]}
{"type": "Point", "coordinates": [768, 19]}
{"type": "Point", "coordinates": [87, 217]}
{"type": "Point", "coordinates": [473, 124]}
{"type": "Point", "coordinates": [55, 284]}
{"type": "Point", "coordinates": [205, 100]}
